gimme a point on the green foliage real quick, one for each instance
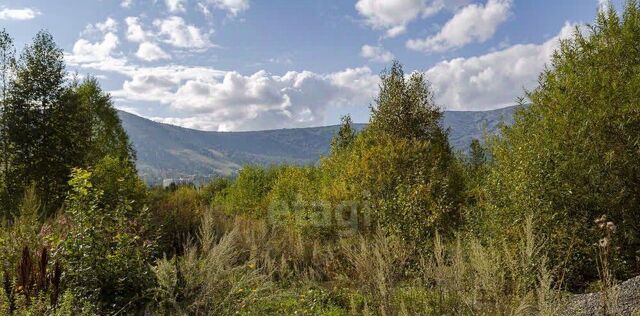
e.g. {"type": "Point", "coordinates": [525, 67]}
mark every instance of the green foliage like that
{"type": "Point", "coordinates": [401, 168]}
{"type": "Point", "coordinates": [50, 126]}
{"type": "Point", "coordinates": [313, 301]}
{"type": "Point", "coordinates": [120, 184]}
{"type": "Point", "coordinates": [345, 136]}
{"type": "Point", "coordinates": [104, 254]}
{"type": "Point", "coordinates": [293, 197]}
{"type": "Point", "coordinates": [176, 216]}
{"type": "Point", "coordinates": [7, 63]}
{"type": "Point", "coordinates": [215, 188]}
{"type": "Point", "coordinates": [107, 137]}
{"type": "Point", "coordinates": [572, 154]}
{"type": "Point", "coordinates": [405, 108]}
{"type": "Point", "coordinates": [23, 232]}
{"type": "Point", "coordinates": [209, 278]}
{"type": "Point", "coordinates": [45, 126]}
{"type": "Point", "coordinates": [247, 195]}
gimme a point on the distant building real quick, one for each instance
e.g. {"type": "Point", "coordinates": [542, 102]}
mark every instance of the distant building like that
{"type": "Point", "coordinates": [178, 181]}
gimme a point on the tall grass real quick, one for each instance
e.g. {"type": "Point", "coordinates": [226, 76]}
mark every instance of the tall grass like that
{"type": "Point", "coordinates": [248, 266]}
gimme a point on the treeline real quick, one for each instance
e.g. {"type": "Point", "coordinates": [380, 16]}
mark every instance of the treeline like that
{"type": "Point", "coordinates": [391, 222]}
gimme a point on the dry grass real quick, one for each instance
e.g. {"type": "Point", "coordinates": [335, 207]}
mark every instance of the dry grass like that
{"type": "Point", "coordinates": [252, 263]}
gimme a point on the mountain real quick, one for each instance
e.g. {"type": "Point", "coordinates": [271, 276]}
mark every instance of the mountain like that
{"type": "Point", "coordinates": [170, 152]}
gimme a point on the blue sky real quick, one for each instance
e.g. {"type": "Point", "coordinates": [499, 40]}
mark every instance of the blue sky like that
{"type": "Point", "coordinates": [264, 64]}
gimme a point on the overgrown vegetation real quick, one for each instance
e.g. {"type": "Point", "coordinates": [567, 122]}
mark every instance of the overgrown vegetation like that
{"type": "Point", "coordinates": [391, 222]}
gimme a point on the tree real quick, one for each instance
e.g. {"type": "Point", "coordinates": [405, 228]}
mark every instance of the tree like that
{"type": "Point", "coordinates": [53, 126]}
{"type": "Point", "coordinates": [345, 136]}
{"type": "Point", "coordinates": [477, 154]}
{"type": "Point", "coordinates": [571, 155]}
{"type": "Point", "coordinates": [405, 108]}
{"type": "Point", "coordinates": [45, 125]}
{"type": "Point", "coordinates": [107, 137]}
{"type": "Point", "coordinates": [401, 165]}
{"type": "Point", "coordinates": [7, 65]}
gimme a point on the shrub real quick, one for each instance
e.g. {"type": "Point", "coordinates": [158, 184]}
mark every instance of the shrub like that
{"type": "Point", "coordinates": [176, 217]}
{"type": "Point", "coordinates": [408, 188]}
{"type": "Point", "coordinates": [106, 259]}
{"type": "Point", "coordinates": [571, 155]}
{"type": "Point", "coordinates": [214, 188]}
{"type": "Point", "coordinates": [247, 195]}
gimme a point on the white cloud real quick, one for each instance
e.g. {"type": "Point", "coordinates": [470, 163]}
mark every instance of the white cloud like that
{"type": "Point", "coordinates": [473, 23]}
{"type": "Point", "coordinates": [604, 4]}
{"type": "Point", "coordinates": [206, 98]}
{"type": "Point", "coordinates": [86, 51]}
{"type": "Point", "coordinates": [151, 52]}
{"type": "Point", "coordinates": [100, 28]}
{"type": "Point", "coordinates": [257, 101]}
{"type": "Point", "coordinates": [232, 6]}
{"type": "Point", "coordinates": [18, 14]}
{"type": "Point", "coordinates": [376, 54]}
{"type": "Point", "coordinates": [394, 15]}
{"type": "Point", "coordinates": [126, 3]}
{"type": "Point", "coordinates": [109, 25]}
{"type": "Point", "coordinates": [493, 80]}
{"type": "Point", "coordinates": [135, 32]}
{"type": "Point", "coordinates": [179, 34]}
{"type": "Point", "coordinates": [176, 5]}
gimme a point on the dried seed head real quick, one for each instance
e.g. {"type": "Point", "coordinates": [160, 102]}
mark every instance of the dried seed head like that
{"type": "Point", "coordinates": [611, 227]}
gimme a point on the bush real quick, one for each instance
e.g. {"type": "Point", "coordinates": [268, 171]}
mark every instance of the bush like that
{"type": "Point", "coordinates": [106, 259]}
{"type": "Point", "coordinates": [247, 195]}
{"type": "Point", "coordinates": [406, 185]}
{"type": "Point", "coordinates": [214, 188]}
{"type": "Point", "coordinates": [176, 217]}
{"type": "Point", "coordinates": [571, 155]}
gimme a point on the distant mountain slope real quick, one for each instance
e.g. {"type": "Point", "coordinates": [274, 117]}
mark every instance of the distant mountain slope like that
{"type": "Point", "coordinates": [167, 151]}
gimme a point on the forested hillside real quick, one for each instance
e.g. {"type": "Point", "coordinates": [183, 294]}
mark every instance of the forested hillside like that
{"type": "Point", "coordinates": [392, 220]}
{"type": "Point", "coordinates": [171, 152]}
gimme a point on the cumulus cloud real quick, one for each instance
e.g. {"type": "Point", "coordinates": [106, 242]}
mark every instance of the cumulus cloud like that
{"type": "Point", "coordinates": [376, 54]}
{"type": "Point", "coordinates": [135, 32]}
{"type": "Point", "coordinates": [211, 99]}
{"type": "Point", "coordinates": [473, 23]}
{"type": "Point", "coordinates": [232, 6]}
{"type": "Point", "coordinates": [257, 101]}
{"type": "Point", "coordinates": [493, 80]}
{"type": "Point", "coordinates": [109, 25]}
{"type": "Point", "coordinates": [177, 32]}
{"type": "Point", "coordinates": [394, 15]}
{"type": "Point", "coordinates": [175, 6]}
{"type": "Point", "coordinates": [151, 52]}
{"type": "Point", "coordinates": [85, 51]}
{"type": "Point", "coordinates": [18, 14]}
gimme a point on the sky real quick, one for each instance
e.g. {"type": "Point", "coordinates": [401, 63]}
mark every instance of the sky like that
{"type": "Point", "coordinates": [233, 65]}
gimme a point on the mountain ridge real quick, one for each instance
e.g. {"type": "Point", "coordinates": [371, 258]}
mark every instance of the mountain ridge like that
{"type": "Point", "coordinates": [166, 151]}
